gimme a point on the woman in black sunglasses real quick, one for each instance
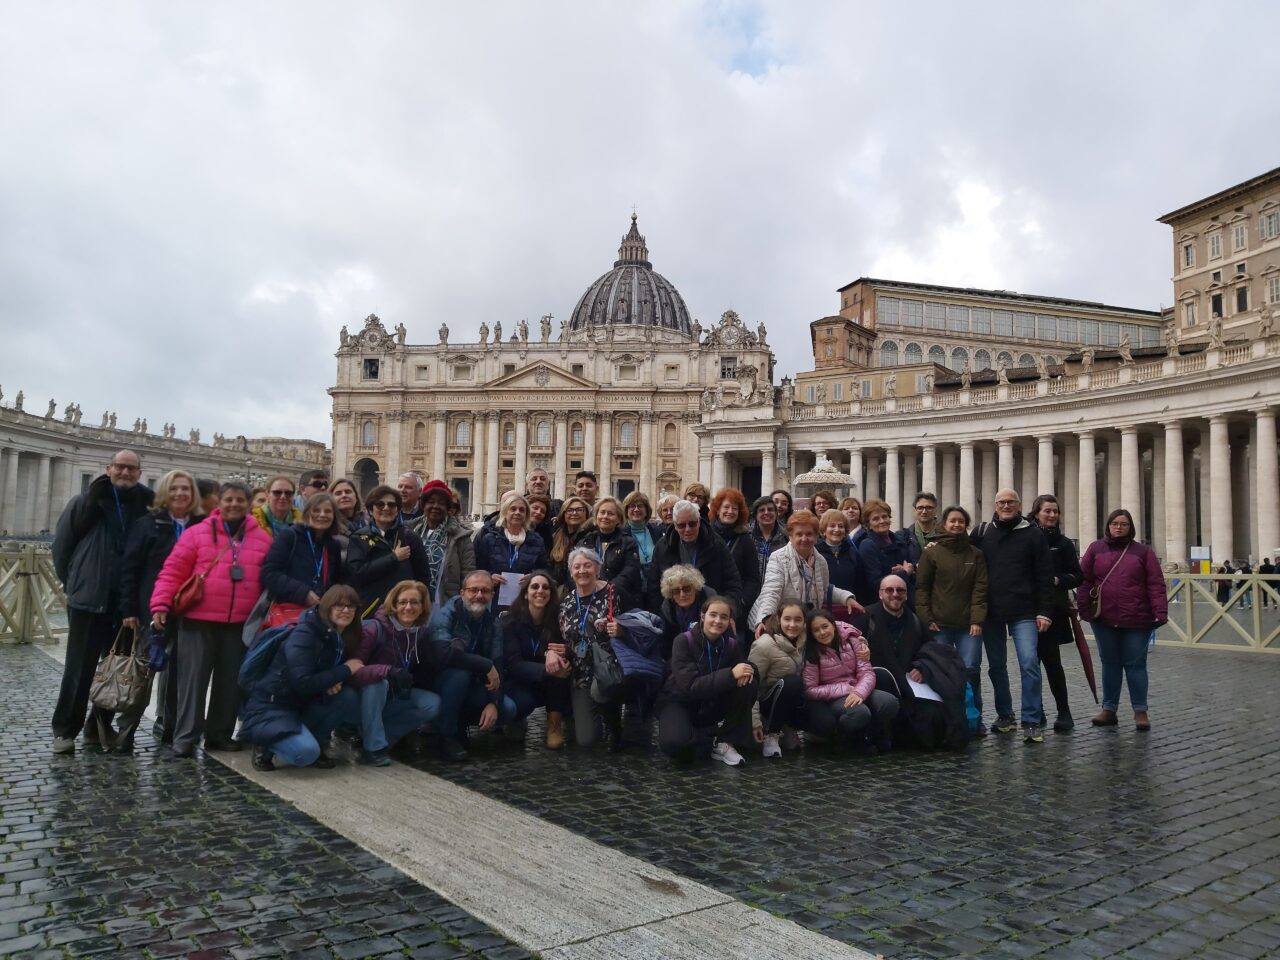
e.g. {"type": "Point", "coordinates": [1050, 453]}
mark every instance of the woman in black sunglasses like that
{"type": "Point", "coordinates": [385, 552]}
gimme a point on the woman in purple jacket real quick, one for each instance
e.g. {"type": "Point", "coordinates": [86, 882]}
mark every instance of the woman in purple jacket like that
{"type": "Point", "coordinates": [1122, 594]}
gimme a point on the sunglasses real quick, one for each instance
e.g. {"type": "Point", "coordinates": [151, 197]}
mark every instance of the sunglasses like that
{"type": "Point", "coordinates": [386, 505]}
{"type": "Point", "coordinates": [687, 525]}
{"type": "Point", "coordinates": [343, 606]}
{"type": "Point", "coordinates": [318, 485]}
{"type": "Point", "coordinates": [282, 493]}
{"type": "Point", "coordinates": [892, 590]}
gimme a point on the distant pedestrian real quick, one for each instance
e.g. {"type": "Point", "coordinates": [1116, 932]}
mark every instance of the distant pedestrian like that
{"type": "Point", "coordinates": [1267, 569]}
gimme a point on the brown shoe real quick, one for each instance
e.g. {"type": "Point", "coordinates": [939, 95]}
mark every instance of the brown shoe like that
{"type": "Point", "coordinates": [1141, 720]}
{"type": "Point", "coordinates": [1105, 718]}
{"type": "Point", "coordinates": [555, 731]}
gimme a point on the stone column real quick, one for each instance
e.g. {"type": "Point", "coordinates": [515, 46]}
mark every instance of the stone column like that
{"type": "Point", "coordinates": [768, 467]}
{"type": "Point", "coordinates": [606, 456]}
{"type": "Point", "coordinates": [929, 470]}
{"type": "Point", "coordinates": [1131, 476]}
{"type": "Point", "coordinates": [491, 464]}
{"type": "Point", "coordinates": [394, 424]}
{"type": "Point", "coordinates": [1191, 478]}
{"type": "Point", "coordinates": [1027, 479]}
{"type": "Point", "coordinates": [589, 445]}
{"type": "Point", "coordinates": [439, 445]}
{"type": "Point", "coordinates": [562, 456]}
{"type": "Point", "coordinates": [990, 484]}
{"type": "Point", "coordinates": [1158, 537]}
{"type": "Point", "coordinates": [1114, 488]}
{"type": "Point", "coordinates": [1044, 466]}
{"type": "Point", "coordinates": [717, 471]}
{"type": "Point", "coordinates": [1221, 536]}
{"type": "Point", "coordinates": [855, 471]}
{"type": "Point", "coordinates": [41, 519]}
{"type": "Point", "coordinates": [11, 491]}
{"type": "Point", "coordinates": [893, 484]}
{"type": "Point", "coordinates": [1267, 507]}
{"type": "Point", "coordinates": [1070, 498]}
{"type": "Point", "coordinates": [1088, 490]}
{"type": "Point", "coordinates": [873, 476]}
{"type": "Point", "coordinates": [62, 473]}
{"type": "Point", "coordinates": [1006, 481]}
{"type": "Point", "coordinates": [968, 491]}
{"type": "Point", "coordinates": [909, 488]}
{"type": "Point", "coordinates": [522, 448]}
{"type": "Point", "coordinates": [477, 463]}
{"type": "Point", "coordinates": [949, 483]}
{"type": "Point", "coordinates": [647, 464]}
{"type": "Point", "coordinates": [1241, 519]}
{"type": "Point", "coordinates": [1175, 495]}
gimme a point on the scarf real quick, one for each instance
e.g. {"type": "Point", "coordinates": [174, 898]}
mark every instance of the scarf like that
{"type": "Point", "coordinates": [517, 539]}
{"type": "Point", "coordinates": [644, 540]}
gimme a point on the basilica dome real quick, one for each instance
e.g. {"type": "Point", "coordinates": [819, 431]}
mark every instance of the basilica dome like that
{"type": "Point", "coordinates": [632, 294]}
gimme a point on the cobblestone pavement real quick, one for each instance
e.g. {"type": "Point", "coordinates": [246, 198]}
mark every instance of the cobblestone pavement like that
{"type": "Point", "coordinates": [1097, 843]}
{"type": "Point", "coordinates": [153, 857]}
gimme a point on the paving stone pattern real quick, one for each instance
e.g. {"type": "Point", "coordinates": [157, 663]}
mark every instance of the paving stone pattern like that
{"type": "Point", "coordinates": [154, 857]}
{"type": "Point", "coordinates": [1098, 843]}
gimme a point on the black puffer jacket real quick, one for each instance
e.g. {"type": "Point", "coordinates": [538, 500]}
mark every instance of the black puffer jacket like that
{"type": "Point", "coordinates": [88, 545]}
{"type": "Point", "coordinates": [374, 569]}
{"type": "Point", "coordinates": [296, 565]}
{"type": "Point", "coordinates": [1019, 569]}
{"type": "Point", "coordinates": [702, 669]}
{"type": "Point", "coordinates": [1066, 569]}
{"type": "Point", "coordinates": [150, 539]}
{"type": "Point", "coordinates": [742, 549]}
{"type": "Point", "coordinates": [620, 564]}
{"type": "Point", "coordinates": [711, 558]}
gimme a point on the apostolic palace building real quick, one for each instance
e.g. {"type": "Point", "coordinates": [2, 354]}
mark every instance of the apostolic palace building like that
{"type": "Point", "coordinates": [914, 386]}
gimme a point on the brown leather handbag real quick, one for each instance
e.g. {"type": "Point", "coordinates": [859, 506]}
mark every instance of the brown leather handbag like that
{"type": "Point", "coordinates": [121, 684]}
{"type": "Point", "coordinates": [192, 590]}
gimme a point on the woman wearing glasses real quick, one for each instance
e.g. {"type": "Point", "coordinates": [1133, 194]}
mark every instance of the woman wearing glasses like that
{"type": "Point", "coordinates": [385, 552]}
{"type": "Point", "coordinates": [684, 590]}
{"type": "Point", "coordinates": [570, 527]}
{"type": "Point", "coordinates": [279, 513]}
{"type": "Point", "coordinates": [307, 691]}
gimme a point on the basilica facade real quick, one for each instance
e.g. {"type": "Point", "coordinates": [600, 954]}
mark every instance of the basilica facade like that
{"type": "Point", "coordinates": [616, 389]}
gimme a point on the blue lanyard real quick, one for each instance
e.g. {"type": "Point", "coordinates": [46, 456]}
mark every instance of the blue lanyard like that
{"type": "Point", "coordinates": [807, 577]}
{"type": "Point", "coordinates": [583, 614]}
{"type": "Point", "coordinates": [235, 544]}
{"type": "Point", "coordinates": [178, 527]}
{"type": "Point", "coordinates": [711, 668]}
{"type": "Point", "coordinates": [119, 510]}
{"type": "Point", "coordinates": [515, 555]}
{"type": "Point", "coordinates": [318, 560]}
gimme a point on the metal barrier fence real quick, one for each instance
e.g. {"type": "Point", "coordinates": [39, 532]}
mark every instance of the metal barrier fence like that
{"type": "Point", "coordinates": [32, 604]}
{"type": "Point", "coordinates": [1223, 612]}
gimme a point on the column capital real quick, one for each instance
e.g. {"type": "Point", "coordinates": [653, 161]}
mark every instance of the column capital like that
{"type": "Point", "coordinates": [1264, 411]}
{"type": "Point", "coordinates": [928, 446]}
{"type": "Point", "coordinates": [1005, 441]}
{"type": "Point", "coordinates": [1084, 434]}
{"type": "Point", "coordinates": [522, 416]}
{"type": "Point", "coordinates": [967, 444]}
{"type": "Point", "coordinates": [1219, 418]}
{"type": "Point", "coordinates": [1129, 428]}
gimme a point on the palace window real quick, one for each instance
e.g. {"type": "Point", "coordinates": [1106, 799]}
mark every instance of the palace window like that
{"type": "Point", "coordinates": [866, 389]}
{"type": "Point", "coordinates": [368, 434]}
{"type": "Point", "coordinates": [669, 437]}
{"type": "Point", "coordinates": [422, 372]}
{"type": "Point", "coordinates": [1269, 225]}
{"type": "Point", "coordinates": [508, 436]}
{"type": "Point", "coordinates": [627, 434]}
{"type": "Point", "coordinates": [913, 353]}
{"type": "Point", "coordinates": [837, 392]}
{"type": "Point", "coordinates": [1046, 327]}
{"type": "Point", "coordinates": [935, 316]}
{"type": "Point", "coordinates": [462, 371]}
{"type": "Point", "coordinates": [728, 368]}
{"type": "Point", "coordinates": [937, 355]}
{"type": "Point", "coordinates": [912, 313]}
{"type": "Point", "coordinates": [575, 436]}
{"type": "Point", "coordinates": [578, 370]}
{"type": "Point", "coordinates": [1215, 245]}
{"type": "Point", "coordinates": [627, 371]}
{"type": "Point", "coordinates": [1189, 314]}
{"type": "Point", "coordinates": [462, 434]}
{"type": "Point", "coordinates": [1242, 299]}
{"type": "Point", "coordinates": [981, 360]}
{"type": "Point", "coordinates": [958, 358]}
{"type": "Point", "coordinates": [888, 354]}
{"type": "Point", "coordinates": [887, 309]}
{"type": "Point", "coordinates": [1239, 236]}
{"type": "Point", "coordinates": [1068, 329]}
{"type": "Point", "coordinates": [1273, 289]}
{"type": "Point", "coordinates": [810, 393]}
{"type": "Point", "coordinates": [981, 318]}
{"type": "Point", "coordinates": [508, 368]}
{"type": "Point", "coordinates": [370, 370]}
{"type": "Point", "coordinates": [1005, 359]}
{"type": "Point", "coordinates": [958, 319]}
{"type": "Point", "coordinates": [1188, 255]}
{"type": "Point", "coordinates": [922, 381]}
{"type": "Point", "coordinates": [1024, 325]}
{"type": "Point", "coordinates": [1026, 360]}
{"type": "Point", "coordinates": [1215, 306]}
{"type": "Point", "coordinates": [543, 433]}
{"type": "Point", "coordinates": [1002, 323]}
{"type": "Point", "coordinates": [419, 434]}
{"type": "Point", "coordinates": [672, 373]}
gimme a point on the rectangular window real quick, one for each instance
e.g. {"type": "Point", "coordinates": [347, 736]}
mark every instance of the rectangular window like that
{"type": "Point", "coordinates": [1215, 246]}
{"type": "Point", "coordinates": [728, 368]}
{"type": "Point", "coordinates": [1269, 225]}
{"type": "Point", "coordinates": [1189, 314]}
{"type": "Point", "coordinates": [1002, 323]}
{"type": "Point", "coordinates": [1242, 299]}
{"type": "Point", "coordinates": [1239, 236]}
{"type": "Point", "coordinates": [578, 369]}
{"type": "Point", "coordinates": [837, 392]}
{"type": "Point", "coordinates": [866, 389]}
{"type": "Point", "coordinates": [1240, 267]}
{"type": "Point", "coordinates": [1024, 325]}
{"type": "Point", "coordinates": [462, 371]}
{"type": "Point", "coordinates": [575, 464]}
{"type": "Point", "coordinates": [370, 370]}
{"type": "Point", "coordinates": [422, 372]}
{"type": "Point", "coordinates": [1215, 305]}
{"type": "Point", "coordinates": [920, 383]}
{"type": "Point", "coordinates": [1216, 276]}
{"type": "Point", "coordinates": [460, 463]}
{"type": "Point", "coordinates": [1046, 327]}
{"type": "Point", "coordinates": [672, 373]}
{"type": "Point", "coordinates": [508, 464]}
{"type": "Point", "coordinates": [886, 310]}
{"type": "Point", "coordinates": [958, 319]}
{"type": "Point", "coordinates": [1188, 255]}
{"type": "Point", "coordinates": [1273, 289]}
{"type": "Point", "coordinates": [912, 313]}
{"type": "Point", "coordinates": [627, 371]}
{"type": "Point", "coordinates": [626, 464]}
{"type": "Point", "coordinates": [809, 394]}
{"type": "Point", "coordinates": [1089, 332]}
{"type": "Point", "coordinates": [1110, 333]}
{"type": "Point", "coordinates": [1068, 330]}
{"type": "Point", "coordinates": [935, 316]}
{"type": "Point", "coordinates": [1150, 337]}
{"type": "Point", "coordinates": [981, 320]}
{"type": "Point", "coordinates": [508, 368]}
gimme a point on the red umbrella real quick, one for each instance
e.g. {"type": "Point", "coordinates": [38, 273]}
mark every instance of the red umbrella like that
{"type": "Point", "coordinates": [1086, 658]}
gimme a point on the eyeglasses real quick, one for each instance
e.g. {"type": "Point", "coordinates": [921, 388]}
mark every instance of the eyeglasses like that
{"type": "Point", "coordinates": [892, 590]}
{"type": "Point", "coordinates": [386, 505]}
{"type": "Point", "coordinates": [682, 588]}
{"type": "Point", "coordinates": [1007, 503]}
{"type": "Point", "coordinates": [126, 467]}
{"type": "Point", "coordinates": [926, 508]}
{"type": "Point", "coordinates": [282, 493]}
{"type": "Point", "coordinates": [539, 586]}
{"type": "Point", "coordinates": [569, 510]}
{"type": "Point", "coordinates": [687, 525]}
{"type": "Point", "coordinates": [478, 590]}
{"type": "Point", "coordinates": [342, 606]}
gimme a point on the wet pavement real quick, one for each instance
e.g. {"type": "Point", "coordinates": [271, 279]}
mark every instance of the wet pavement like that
{"type": "Point", "coordinates": [147, 856]}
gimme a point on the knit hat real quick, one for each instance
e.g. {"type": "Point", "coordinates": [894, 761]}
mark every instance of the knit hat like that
{"type": "Point", "coordinates": [436, 486]}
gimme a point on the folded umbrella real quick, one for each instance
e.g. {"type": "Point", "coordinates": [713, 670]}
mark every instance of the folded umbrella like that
{"type": "Point", "coordinates": [1086, 658]}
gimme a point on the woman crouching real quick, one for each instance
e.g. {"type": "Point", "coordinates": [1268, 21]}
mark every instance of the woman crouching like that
{"type": "Point", "coordinates": [840, 685]}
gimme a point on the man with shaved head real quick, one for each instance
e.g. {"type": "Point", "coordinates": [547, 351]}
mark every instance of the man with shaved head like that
{"type": "Point", "coordinates": [1019, 604]}
{"type": "Point", "coordinates": [88, 553]}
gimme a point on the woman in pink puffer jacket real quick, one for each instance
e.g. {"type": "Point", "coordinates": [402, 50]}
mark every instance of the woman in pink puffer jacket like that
{"type": "Point", "coordinates": [840, 685]}
{"type": "Point", "coordinates": [230, 552]}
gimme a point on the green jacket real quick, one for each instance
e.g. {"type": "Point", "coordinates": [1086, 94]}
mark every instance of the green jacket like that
{"type": "Point", "coordinates": [951, 583]}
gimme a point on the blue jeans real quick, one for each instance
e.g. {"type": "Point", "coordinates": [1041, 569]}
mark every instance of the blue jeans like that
{"type": "Point", "coordinates": [318, 721]}
{"type": "Point", "coordinates": [1025, 643]}
{"type": "Point", "coordinates": [1123, 652]}
{"type": "Point", "coordinates": [385, 718]}
{"type": "Point", "coordinates": [462, 697]}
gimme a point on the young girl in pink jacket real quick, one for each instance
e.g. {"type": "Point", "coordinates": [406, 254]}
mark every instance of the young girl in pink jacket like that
{"type": "Point", "coordinates": [840, 685]}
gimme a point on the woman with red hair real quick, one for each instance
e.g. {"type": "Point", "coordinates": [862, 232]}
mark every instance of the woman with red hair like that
{"type": "Point", "coordinates": [729, 518]}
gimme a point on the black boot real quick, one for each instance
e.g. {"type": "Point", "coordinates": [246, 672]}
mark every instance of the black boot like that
{"type": "Point", "coordinates": [613, 728]}
{"type": "Point", "coordinates": [262, 759]}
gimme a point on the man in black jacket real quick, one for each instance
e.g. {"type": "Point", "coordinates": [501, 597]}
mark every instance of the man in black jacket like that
{"type": "Point", "coordinates": [690, 542]}
{"type": "Point", "coordinates": [1020, 603]}
{"type": "Point", "coordinates": [88, 553]}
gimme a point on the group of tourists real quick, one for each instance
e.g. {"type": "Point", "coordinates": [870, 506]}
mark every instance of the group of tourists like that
{"type": "Point", "coordinates": [389, 619]}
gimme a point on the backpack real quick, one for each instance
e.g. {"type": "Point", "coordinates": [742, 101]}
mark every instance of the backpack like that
{"type": "Point", "coordinates": [257, 661]}
{"type": "Point", "coordinates": [861, 535]}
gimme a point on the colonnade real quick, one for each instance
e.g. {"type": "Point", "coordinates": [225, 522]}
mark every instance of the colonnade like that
{"type": "Point", "coordinates": [34, 487]}
{"type": "Point", "coordinates": [1187, 481]}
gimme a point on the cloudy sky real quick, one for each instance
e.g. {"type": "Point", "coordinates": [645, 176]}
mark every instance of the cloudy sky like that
{"type": "Point", "coordinates": [194, 198]}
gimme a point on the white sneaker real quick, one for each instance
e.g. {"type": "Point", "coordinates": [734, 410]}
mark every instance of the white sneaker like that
{"type": "Point", "coordinates": [725, 753]}
{"type": "Point", "coordinates": [771, 746]}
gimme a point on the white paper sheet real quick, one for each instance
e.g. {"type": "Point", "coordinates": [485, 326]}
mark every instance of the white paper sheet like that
{"type": "Point", "coordinates": [508, 591]}
{"type": "Point", "coordinates": [924, 691]}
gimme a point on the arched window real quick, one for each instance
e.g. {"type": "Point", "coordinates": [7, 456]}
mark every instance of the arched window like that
{"type": "Point", "coordinates": [1005, 359]}
{"type": "Point", "coordinates": [1026, 360]}
{"type": "Point", "coordinates": [981, 360]}
{"type": "Point", "coordinates": [937, 355]}
{"type": "Point", "coordinates": [462, 434]}
{"type": "Point", "coordinates": [575, 436]}
{"type": "Point", "coordinates": [419, 434]}
{"type": "Point", "coordinates": [542, 433]}
{"type": "Point", "coordinates": [669, 437]}
{"type": "Point", "coordinates": [958, 358]}
{"type": "Point", "coordinates": [1051, 360]}
{"type": "Point", "coordinates": [627, 434]}
{"type": "Point", "coordinates": [913, 353]}
{"type": "Point", "coordinates": [889, 354]}
{"type": "Point", "coordinates": [369, 434]}
{"type": "Point", "coordinates": [508, 436]}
